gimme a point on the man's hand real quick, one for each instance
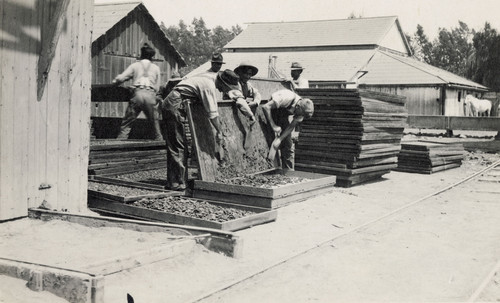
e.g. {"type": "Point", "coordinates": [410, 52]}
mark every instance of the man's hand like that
{"type": "Point", "coordinates": [277, 130]}
{"type": "Point", "coordinates": [219, 137]}
{"type": "Point", "coordinates": [158, 99]}
{"type": "Point", "coordinates": [276, 143]}
{"type": "Point", "coordinates": [253, 104]}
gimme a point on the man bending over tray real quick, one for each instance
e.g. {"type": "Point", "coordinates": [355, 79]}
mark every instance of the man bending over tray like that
{"type": "Point", "coordinates": [199, 88]}
{"type": "Point", "coordinates": [283, 104]}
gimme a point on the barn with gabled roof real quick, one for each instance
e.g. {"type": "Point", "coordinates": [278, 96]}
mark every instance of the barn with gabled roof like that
{"type": "Point", "coordinates": [120, 30]}
{"type": "Point", "coordinates": [371, 53]}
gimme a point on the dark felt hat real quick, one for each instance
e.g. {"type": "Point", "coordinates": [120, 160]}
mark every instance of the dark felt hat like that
{"type": "Point", "coordinates": [245, 65]}
{"type": "Point", "coordinates": [296, 66]}
{"type": "Point", "coordinates": [229, 78]}
{"type": "Point", "coordinates": [217, 58]}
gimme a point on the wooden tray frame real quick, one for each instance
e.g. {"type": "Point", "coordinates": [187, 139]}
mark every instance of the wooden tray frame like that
{"type": "Point", "coordinates": [98, 194]}
{"type": "Point", "coordinates": [269, 198]}
{"type": "Point", "coordinates": [261, 215]}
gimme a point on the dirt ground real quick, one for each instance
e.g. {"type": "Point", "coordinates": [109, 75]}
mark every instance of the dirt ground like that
{"type": "Point", "coordinates": [441, 249]}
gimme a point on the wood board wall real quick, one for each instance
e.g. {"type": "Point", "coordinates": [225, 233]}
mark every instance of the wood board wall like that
{"type": "Point", "coordinates": [44, 142]}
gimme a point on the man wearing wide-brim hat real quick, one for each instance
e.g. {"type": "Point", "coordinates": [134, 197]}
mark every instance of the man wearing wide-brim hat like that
{"type": "Point", "coordinates": [246, 71]}
{"type": "Point", "coordinates": [298, 81]}
{"type": "Point", "coordinates": [216, 63]}
{"type": "Point", "coordinates": [201, 88]}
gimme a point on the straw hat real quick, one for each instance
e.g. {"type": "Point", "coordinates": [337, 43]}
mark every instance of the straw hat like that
{"type": "Point", "coordinates": [245, 65]}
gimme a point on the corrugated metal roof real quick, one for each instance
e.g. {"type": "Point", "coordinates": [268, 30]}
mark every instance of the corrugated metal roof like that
{"type": "Point", "coordinates": [387, 68]}
{"type": "Point", "coordinates": [106, 15]}
{"type": "Point", "coordinates": [336, 65]}
{"type": "Point", "coordinates": [358, 31]}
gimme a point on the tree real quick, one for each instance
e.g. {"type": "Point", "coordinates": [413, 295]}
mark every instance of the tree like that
{"type": "Point", "coordinates": [196, 42]}
{"type": "Point", "coordinates": [422, 47]}
{"type": "Point", "coordinates": [484, 63]}
{"type": "Point", "coordinates": [452, 49]}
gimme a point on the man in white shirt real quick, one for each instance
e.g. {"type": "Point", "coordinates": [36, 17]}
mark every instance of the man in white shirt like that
{"type": "Point", "coordinates": [145, 81]}
{"type": "Point", "coordinates": [283, 104]}
{"type": "Point", "coordinates": [298, 81]}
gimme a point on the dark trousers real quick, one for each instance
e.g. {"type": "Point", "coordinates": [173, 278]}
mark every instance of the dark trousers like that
{"type": "Point", "coordinates": [144, 100]}
{"type": "Point", "coordinates": [287, 148]}
{"type": "Point", "coordinates": [175, 118]}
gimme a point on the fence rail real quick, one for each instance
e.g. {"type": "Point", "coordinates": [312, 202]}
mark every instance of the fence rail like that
{"type": "Point", "coordinates": [454, 123]}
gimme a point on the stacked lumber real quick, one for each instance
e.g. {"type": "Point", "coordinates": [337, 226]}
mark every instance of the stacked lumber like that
{"type": "Point", "coordinates": [111, 157]}
{"type": "Point", "coordinates": [354, 134]}
{"type": "Point", "coordinates": [428, 157]}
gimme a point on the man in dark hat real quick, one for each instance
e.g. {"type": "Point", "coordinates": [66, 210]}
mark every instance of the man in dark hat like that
{"type": "Point", "coordinates": [199, 88]}
{"type": "Point", "coordinates": [283, 104]}
{"type": "Point", "coordinates": [217, 61]}
{"type": "Point", "coordinates": [298, 81]}
{"type": "Point", "coordinates": [145, 82]}
{"type": "Point", "coordinates": [246, 71]}
{"type": "Point", "coordinates": [174, 79]}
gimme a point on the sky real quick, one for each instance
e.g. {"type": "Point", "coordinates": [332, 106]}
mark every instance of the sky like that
{"type": "Point", "coordinates": [431, 14]}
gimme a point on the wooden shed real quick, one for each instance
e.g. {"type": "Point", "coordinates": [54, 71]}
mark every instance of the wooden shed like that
{"type": "Point", "coordinates": [370, 53]}
{"type": "Point", "coordinates": [44, 104]}
{"type": "Point", "coordinates": [120, 30]}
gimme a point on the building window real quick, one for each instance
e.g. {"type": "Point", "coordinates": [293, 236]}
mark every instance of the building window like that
{"type": "Point", "coordinates": [459, 96]}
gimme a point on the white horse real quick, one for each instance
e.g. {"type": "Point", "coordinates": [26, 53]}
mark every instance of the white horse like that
{"type": "Point", "coordinates": [477, 107]}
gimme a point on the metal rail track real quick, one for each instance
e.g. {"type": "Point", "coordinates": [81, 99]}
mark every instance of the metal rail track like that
{"type": "Point", "coordinates": [495, 166]}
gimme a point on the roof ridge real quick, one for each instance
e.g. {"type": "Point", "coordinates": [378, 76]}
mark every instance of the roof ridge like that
{"type": "Point", "coordinates": [437, 69]}
{"type": "Point", "coordinates": [117, 3]}
{"type": "Point", "coordinates": [322, 20]}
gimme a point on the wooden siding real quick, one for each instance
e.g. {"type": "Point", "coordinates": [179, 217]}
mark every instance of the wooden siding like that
{"type": "Point", "coordinates": [419, 100]}
{"type": "Point", "coordinates": [454, 102]}
{"type": "Point", "coordinates": [121, 45]}
{"type": "Point", "coordinates": [44, 145]}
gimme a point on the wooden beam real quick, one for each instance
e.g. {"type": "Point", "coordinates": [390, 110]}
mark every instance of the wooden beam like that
{"type": "Point", "coordinates": [454, 123]}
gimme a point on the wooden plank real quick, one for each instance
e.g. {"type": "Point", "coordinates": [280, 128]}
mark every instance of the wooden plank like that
{"type": "Point", "coordinates": [125, 162]}
{"type": "Point", "coordinates": [429, 170]}
{"type": "Point", "coordinates": [128, 168]}
{"type": "Point", "coordinates": [103, 195]}
{"type": "Point", "coordinates": [115, 144]}
{"type": "Point", "coordinates": [116, 181]}
{"type": "Point", "coordinates": [355, 180]}
{"type": "Point", "coordinates": [237, 161]}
